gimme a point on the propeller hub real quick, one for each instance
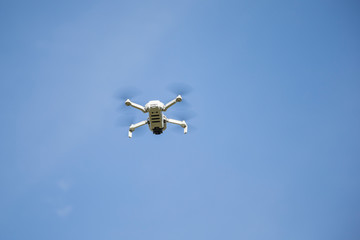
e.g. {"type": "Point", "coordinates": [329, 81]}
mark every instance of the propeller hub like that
{"type": "Point", "coordinates": [179, 98]}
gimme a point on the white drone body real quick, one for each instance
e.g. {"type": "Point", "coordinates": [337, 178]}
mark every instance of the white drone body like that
{"type": "Point", "coordinates": [157, 120]}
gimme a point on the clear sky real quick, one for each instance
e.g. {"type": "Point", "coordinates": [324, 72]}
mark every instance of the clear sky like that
{"type": "Point", "coordinates": [275, 148]}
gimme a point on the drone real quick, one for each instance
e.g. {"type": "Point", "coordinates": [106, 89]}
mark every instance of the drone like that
{"type": "Point", "coordinates": [157, 120]}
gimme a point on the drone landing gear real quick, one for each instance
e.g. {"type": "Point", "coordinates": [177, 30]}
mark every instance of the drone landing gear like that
{"type": "Point", "coordinates": [133, 126]}
{"type": "Point", "coordinates": [181, 123]}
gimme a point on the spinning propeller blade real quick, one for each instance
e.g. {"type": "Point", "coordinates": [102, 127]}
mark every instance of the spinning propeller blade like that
{"type": "Point", "coordinates": [124, 94]}
{"type": "Point", "coordinates": [127, 93]}
{"type": "Point", "coordinates": [184, 115]}
{"type": "Point", "coordinates": [180, 88]}
{"type": "Point", "coordinates": [127, 117]}
{"type": "Point", "coordinates": [126, 121]}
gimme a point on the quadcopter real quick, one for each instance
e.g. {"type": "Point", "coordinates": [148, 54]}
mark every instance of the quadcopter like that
{"type": "Point", "coordinates": [157, 120]}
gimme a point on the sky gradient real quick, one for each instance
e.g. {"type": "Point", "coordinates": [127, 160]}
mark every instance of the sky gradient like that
{"type": "Point", "coordinates": [274, 152]}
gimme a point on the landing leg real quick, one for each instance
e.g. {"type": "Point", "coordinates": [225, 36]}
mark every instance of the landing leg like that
{"type": "Point", "coordinates": [181, 123]}
{"type": "Point", "coordinates": [133, 126]}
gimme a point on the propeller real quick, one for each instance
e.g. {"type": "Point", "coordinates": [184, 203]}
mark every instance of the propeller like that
{"type": "Point", "coordinates": [123, 94]}
{"type": "Point", "coordinates": [182, 112]}
{"type": "Point", "coordinates": [127, 93]}
{"type": "Point", "coordinates": [127, 114]}
{"type": "Point", "coordinates": [126, 121]}
{"type": "Point", "coordinates": [180, 88]}
{"type": "Point", "coordinates": [182, 115]}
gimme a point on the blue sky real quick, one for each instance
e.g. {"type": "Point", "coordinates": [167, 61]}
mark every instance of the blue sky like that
{"type": "Point", "coordinates": [275, 152]}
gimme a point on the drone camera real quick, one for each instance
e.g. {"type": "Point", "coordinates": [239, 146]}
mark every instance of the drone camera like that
{"type": "Point", "coordinates": [157, 130]}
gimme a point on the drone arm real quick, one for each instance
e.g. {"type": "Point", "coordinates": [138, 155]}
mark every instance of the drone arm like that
{"type": "Point", "coordinates": [181, 123]}
{"type": "Point", "coordinates": [135, 105]}
{"type": "Point", "coordinates": [172, 102]}
{"type": "Point", "coordinates": [136, 125]}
